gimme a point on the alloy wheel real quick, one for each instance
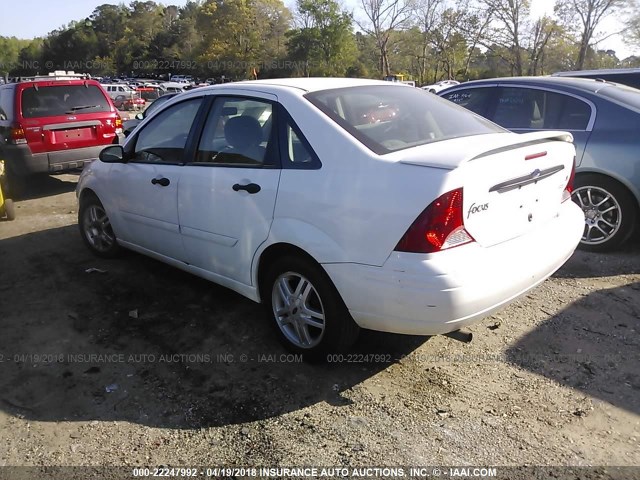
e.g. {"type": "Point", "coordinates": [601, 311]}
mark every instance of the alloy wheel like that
{"type": "Point", "coordinates": [298, 310]}
{"type": "Point", "coordinates": [602, 213]}
{"type": "Point", "coordinates": [97, 228]}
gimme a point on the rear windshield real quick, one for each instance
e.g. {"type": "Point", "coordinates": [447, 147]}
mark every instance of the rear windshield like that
{"type": "Point", "coordinates": [57, 100]}
{"type": "Point", "coordinates": [390, 118]}
{"type": "Point", "coordinates": [622, 94]}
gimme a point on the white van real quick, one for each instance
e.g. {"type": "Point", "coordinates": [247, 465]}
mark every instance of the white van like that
{"type": "Point", "coordinates": [113, 90]}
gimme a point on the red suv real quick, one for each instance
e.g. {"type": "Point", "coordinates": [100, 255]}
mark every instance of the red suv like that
{"type": "Point", "coordinates": [54, 124]}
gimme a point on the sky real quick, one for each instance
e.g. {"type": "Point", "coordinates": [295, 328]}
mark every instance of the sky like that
{"type": "Point", "coordinates": [609, 25]}
{"type": "Point", "coordinates": [52, 14]}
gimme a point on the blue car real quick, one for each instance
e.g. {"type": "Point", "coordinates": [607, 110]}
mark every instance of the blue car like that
{"type": "Point", "coordinates": [604, 119]}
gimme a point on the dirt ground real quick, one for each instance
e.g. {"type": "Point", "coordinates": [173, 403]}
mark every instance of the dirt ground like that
{"type": "Point", "coordinates": [146, 365]}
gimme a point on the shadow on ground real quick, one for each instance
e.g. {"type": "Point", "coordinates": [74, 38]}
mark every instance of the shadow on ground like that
{"type": "Point", "coordinates": [589, 349]}
{"type": "Point", "coordinates": [40, 186]}
{"type": "Point", "coordinates": [623, 261]}
{"type": "Point", "coordinates": [148, 344]}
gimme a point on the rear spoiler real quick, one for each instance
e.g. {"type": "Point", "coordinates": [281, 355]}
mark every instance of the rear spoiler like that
{"type": "Point", "coordinates": [533, 138]}
{"type": "Point", "coordinates": [440, 156]}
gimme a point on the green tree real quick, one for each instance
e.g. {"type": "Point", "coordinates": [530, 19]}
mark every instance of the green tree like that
{"type": "Point", "coordinates": [383, 18]}
{"type": "Point", "coordinates": [583, 17]}
{"type": "Point", "coordinates": [324, 43]}
{"type": "Point", "coordinates": [238, 35]}
{"type": "Point", "coordinates": [10, 48]}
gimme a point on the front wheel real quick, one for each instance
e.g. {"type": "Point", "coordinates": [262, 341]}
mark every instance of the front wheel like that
{"type": "Point", "coordinates": [306, 309]}
{"type": "Point", "coordinates": [95, 228]}
{"type": "Point", "coordinates": [610, 212]}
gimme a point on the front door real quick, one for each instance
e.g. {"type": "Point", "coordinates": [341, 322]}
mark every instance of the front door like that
{"type": "Point", "coordinates": [147, 186]}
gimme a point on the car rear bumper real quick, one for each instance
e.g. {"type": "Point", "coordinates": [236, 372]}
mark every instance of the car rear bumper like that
{"type": "Point", "coordinates": [23, 162]}
{"type": "Point", "coordinates": [431, 294]}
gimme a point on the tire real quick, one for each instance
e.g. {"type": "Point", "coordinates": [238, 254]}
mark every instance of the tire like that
{"type": "Point", "coordinates": [95, 228]}
{"type": "Point", "coordinates": [611, 212]}
{"type": "Point", "coordinates": [306, 309]}
{"type": "Point", "coordinates": [16, 184]}
{"type": "Point", "coordinates": [9, 209]}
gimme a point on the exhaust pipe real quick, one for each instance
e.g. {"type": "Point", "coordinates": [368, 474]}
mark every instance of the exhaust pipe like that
{"type": "Point", "coordinates": [460, 335]}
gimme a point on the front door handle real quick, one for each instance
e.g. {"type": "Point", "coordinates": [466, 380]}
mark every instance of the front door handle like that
{"type": "Point", "coordinates": [163, 182]}
{"type": "Point", "coordinates": [250, 188]}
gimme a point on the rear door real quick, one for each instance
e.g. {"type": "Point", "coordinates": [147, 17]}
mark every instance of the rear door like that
{"type": "Point", "coordinates": [65, 115]}
{"type": "Point", "coordinates": [227, 195]}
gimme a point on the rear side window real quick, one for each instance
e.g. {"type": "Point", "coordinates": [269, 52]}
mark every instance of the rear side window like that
{"type": "Point", "coordinates": [390, 118]}
{"type": "Point", "coordinates": [295, 150]}
{"type": "Point", "coordinates": [535, 109]}
{"type": "Point", "coordinates": [238, 131]}
{"type": "Point", "coordinates": [51, 101]}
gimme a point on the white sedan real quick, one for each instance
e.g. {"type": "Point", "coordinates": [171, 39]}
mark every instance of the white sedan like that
{"type": "Point", "coordinates": [339, 204]}
{"type": "Point", "coordinates": [439, 86]}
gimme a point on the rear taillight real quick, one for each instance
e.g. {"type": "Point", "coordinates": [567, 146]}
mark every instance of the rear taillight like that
{"type": "Point", "coordinates": [16, 135]}
{"type": "Point", "coordinates": [438, 227]}
{"type": "Point", "coordinates": [118, 124]}
{"type": "Point", "coordinates": [568, 190]}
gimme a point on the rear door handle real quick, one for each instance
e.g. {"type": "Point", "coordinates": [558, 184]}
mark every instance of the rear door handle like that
{"type": "Point", "coordinates": [163, 182]}
{"type": "Point", "coordinates": [250, 188]}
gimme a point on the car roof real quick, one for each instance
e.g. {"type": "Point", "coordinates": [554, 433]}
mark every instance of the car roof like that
{"type": "Point", "coordinates": [43, 82]}
{"type": "Point", "coordinates": [584, 84]}
{"type": "Point", "coordinates": [306, 84]}
{"type": "Point", "coordinates": [601, 71]}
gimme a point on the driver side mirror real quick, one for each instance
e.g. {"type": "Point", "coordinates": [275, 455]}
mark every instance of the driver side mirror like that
{"type": "Point", "coordinates": [140, 116]}
{"type": "Point", "coordinates": [112, 154]}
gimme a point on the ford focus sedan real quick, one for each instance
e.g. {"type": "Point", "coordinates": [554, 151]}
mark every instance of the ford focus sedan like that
{"type": "Point", "coordinates": [290, 193]}
{"type": "Point", "coordinates": [604, 119]}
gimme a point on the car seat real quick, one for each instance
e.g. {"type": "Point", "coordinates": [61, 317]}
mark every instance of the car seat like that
{"type": "Point", "coordinates": [244, 135]}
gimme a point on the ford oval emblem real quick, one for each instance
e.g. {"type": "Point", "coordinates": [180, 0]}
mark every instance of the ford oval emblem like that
{"type": "Point", "coordinates": [72, 118]}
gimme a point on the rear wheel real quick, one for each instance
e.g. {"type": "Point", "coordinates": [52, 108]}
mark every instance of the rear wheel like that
{"type": "Point", "coordinates": [306, 309]}
{"type": "Point", "coordinates": [95, 228]}
{"type": "Point", "coordinates": [610, 212]}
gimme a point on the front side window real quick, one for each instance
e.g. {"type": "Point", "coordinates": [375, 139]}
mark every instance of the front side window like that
{"type": "Point", "coordinates": [238, 131]}
{"type": "Point", "coordinates": [474, 99]}
{"type": "Point", "coordinates": [164, 138]}
{"type": "Point", "coordinates": [390, 118]}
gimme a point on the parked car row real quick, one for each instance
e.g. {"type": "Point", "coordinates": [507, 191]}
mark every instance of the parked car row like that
{"type": "Point", "coordinates": [278, 189]}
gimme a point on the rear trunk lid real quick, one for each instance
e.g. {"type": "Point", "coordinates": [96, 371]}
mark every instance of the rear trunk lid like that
{"type": "Point", "coordinates": [511, 183]}
{"type": "Point", "coordinates": [65, 115]}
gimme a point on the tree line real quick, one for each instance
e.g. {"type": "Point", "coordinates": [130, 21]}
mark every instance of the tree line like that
{"type": "Point", "coordinates": [424, 40]}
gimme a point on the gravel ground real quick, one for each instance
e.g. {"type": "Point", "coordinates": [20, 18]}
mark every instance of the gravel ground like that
{"type": "Point", "coordinates": [146, 365]}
